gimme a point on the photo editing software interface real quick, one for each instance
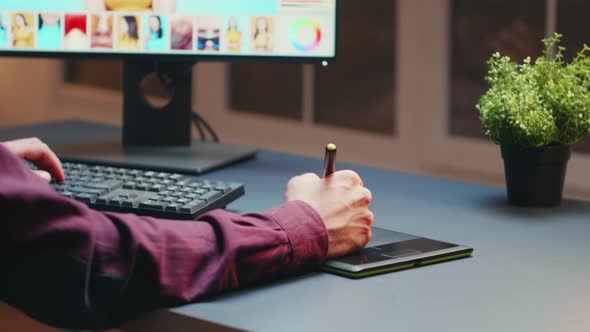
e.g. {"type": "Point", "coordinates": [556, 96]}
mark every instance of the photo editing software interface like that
{"type": "Point", "coordinates": [277, 28]}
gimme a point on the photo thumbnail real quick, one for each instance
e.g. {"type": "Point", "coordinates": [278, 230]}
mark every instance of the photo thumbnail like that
{"type": "Point", "coordinates": [155, 33]}
{"type": "Point", "coordinates": [23, 30]}
{"type": "Point", "coordinates": [181, 35]}
{"type": "Point", "coordinates": [102, 32]}
{"type": "Point", "coordinates": [128, 30]}
{"type": "Point", "coordinates": [49, 31]}
{"type": "Point", "coordinates": [5, 30]}
{"type": "Point", "coordinates": [235, 35]}
{"type": "Point", "coordinates": [76, 32]}
{"type": "Point", "coordinates": [208, 33]}
{"type": "Point", "coordinates": [263, 30]}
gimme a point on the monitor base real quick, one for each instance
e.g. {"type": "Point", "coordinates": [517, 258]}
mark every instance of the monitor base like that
{"type": "Point", "coordinates": [200, 157]}
{"type": "Point", "coordinates": [157, 136]}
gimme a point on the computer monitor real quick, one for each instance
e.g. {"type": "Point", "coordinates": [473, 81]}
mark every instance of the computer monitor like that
{"type": "Point", "coordinates": [167, 37]}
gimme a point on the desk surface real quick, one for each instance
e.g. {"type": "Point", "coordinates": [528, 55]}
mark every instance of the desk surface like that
{"type": "Point", "coordinates": [530, 270]}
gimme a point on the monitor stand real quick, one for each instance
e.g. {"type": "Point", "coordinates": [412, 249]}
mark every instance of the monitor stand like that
{"type": "Point", "coordinates": [157, 136]}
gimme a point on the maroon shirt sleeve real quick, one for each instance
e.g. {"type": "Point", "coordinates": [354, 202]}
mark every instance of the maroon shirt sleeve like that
{"type": "Point", "coordinates": [70, 266]}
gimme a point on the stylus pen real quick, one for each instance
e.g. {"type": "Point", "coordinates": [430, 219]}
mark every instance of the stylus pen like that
{"type": "Point", "coordinates": [330, 159]}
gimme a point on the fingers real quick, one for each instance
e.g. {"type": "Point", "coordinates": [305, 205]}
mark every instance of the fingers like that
{"type": "Point", "coordinates": [365, 197]}
{"type": "Point", "coordinates": [37, 152]}
{"type": "Point", "coordinates": [304, 178]}
{"type": "Point", "coordinates": [365, 218]}
{"type": "Point", "coordinates": [364, 235]}
{"type": "Point", "coordinates": [369, 218]}
{"type": "Point", "coordinates": [309, 177]}
{"type": "Point", "coordinates": [350, 177]}
{"type": "Point", "coordinates": [44, 175]}
{"type": "Point", "coordinates": [299, 185]}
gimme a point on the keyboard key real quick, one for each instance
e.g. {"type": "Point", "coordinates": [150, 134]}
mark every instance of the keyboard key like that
{"type": "Point", "coordinates": [143, 186]}
{"type": "Point", "coordinates": [173, 207]}
{"type": "Point", "coordinates": [130, 203]}
{"type": "Point", "coordinates": [84, 197]}
{"type": "Point", "coordinates": [224, 189]}
{"type": "Point", "coordinates": [193, 207]}
{"type": "Point", "coordinates": [130, 185]}
{"type": "Point", "coordinates": [102, 201]}
{"type": "Point", "coordinates": [176, 177]}
{"type": "Point", "coordinates": [211, 196]}
{"type": "Point", "coordinates": [106, 185]}
{"type": "Point", "coordinates": [156, 188]}
{"type": "Point", "coordinates": [116, 201]}
{"type": "Point", "coordinates": [183, 201]}
{"type": "Point", "coordinates": [152, 205]}
{"type": "Point", "coordinates": [95, 192]}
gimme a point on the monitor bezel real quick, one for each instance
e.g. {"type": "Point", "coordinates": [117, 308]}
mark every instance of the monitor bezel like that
{"type": "Point", "coordinates": [168, 57]}
{"type": "Point", "coordinates": [185, 57]}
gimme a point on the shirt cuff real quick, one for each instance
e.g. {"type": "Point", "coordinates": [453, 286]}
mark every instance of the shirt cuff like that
{"type": "Point", "coordinates": [306, 232]}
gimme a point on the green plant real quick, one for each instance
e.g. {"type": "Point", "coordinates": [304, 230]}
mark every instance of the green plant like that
{"type": "Point", "coordinates": [540, 103]}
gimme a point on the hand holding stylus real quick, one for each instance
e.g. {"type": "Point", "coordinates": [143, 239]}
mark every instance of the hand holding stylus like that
{"type": "Point", "coordinates": [341, 200]}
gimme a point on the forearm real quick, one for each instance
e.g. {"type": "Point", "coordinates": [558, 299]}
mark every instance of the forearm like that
{"type": "Point", "coordinates": [49, 243]}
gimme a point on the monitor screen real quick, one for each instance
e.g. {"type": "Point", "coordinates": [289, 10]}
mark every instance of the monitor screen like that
{"type": "Point", "coordinates": [210, 28]}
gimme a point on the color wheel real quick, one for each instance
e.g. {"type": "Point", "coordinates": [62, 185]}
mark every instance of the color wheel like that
{"type": "Point", "coordinates": [305, 35]}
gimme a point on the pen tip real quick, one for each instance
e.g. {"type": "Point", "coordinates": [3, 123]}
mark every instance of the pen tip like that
{"type": "Point", "coordinates": [331, 147]}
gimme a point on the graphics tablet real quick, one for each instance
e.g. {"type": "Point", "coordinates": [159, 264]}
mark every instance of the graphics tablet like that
{"type": "Point", "coordinates": [390, 251]}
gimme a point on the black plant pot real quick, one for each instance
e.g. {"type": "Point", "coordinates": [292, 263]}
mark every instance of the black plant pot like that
{"type": "Point", "coordinates": [535, 176]}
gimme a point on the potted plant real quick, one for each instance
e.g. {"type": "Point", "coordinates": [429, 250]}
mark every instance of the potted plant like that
{"type": "Point", "coordinates": [536, 110]}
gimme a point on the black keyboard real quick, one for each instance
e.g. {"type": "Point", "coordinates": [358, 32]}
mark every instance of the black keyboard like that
{"type": "Point", "coordinates": [157, 194]}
